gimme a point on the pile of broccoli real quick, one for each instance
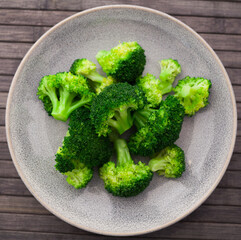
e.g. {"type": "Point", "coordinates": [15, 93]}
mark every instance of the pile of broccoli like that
{"type": "Point", "coordinates": [100, 109]}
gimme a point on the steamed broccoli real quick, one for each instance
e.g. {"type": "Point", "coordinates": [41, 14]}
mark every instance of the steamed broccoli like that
{"type": "Point", "coordinates": [125, 179]}
{"type": "Point", "coordinates": [113, 107]}
{"type": "Point", "coordinates": [157, 128]}
{"type": "Point", "coordinates": [193, 93]}
{"type": "Point", "coordinates": [155, 88]}
{"type": "Point", "coordinates": [169, 70]}
{"type": "Point", "coordinates": [63, 93]}
{"type": "Point", "coordinates": [170, 162]}
{"type": "Point", "coordinates": [82, 148]}
{"type": "Point", "coordinates": [78, 174]}
{"type": "Point", "coordinates": [125, 62]}
{"type": "Point", "coordinates": [152, 88]}
{"type": "Point", "coordinates": [88, 69]}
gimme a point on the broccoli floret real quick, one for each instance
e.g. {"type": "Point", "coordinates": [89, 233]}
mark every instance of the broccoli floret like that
{"type": "Point", "coordinates": [88, 69]}
{"type": "Point", "coordinates": [82, 143]}
{"type": "Point", "coordinates": [169, 70]}
{"type": "Point", "coordinates": [82, 148]}
{"type": "Point", "coordinates": [157, 128]}
{"type": "Point", "coordinates": [193, 93]}
{"type": "Point", "coordinates": [112, 108]}
{"type": "Point", "coordinates": [125, 179]}
{"type": "Point", "coordinates": [78, 174]}
{"type": "Point", "coordinates": [170, 162]}
{"type": "Point", "coordinates": [155, 88]}
{"type": "Point", "coordinates": [152, 89]}
{"type": "Point", "coordinates": [125, 62]}
{"type": "Point", "coordinates": [63, 93]}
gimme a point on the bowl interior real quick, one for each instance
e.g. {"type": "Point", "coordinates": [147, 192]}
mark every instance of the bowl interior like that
{"type": "Point", "coordinates": [34, 137]}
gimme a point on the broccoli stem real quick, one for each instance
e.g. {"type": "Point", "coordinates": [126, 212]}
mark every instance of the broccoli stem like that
{"type": "Point", "coordinates": [166, 84]}
{"type": "Point", "coordinates": [158, 164]}
{"type": "Point", "coordinates": [65, 106]}
{"type": "Point", "coordinates": [95, 77]}
{"type": "Point", "coordinates": [123, 120]}
{"type": "Point", "coordinates": [141, 117]}
{"type": "Point", "coordinates": [122, 151]}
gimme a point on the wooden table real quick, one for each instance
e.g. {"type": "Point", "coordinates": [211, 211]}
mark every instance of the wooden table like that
{"type": "Point", "coordinates": [22, 22]}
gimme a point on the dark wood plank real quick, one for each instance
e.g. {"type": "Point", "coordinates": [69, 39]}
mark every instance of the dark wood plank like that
{"type": "Point", "coordinates": [239, 110]}
{"type": "Point", "coordinates": [3, 99]}
{"type": "Point", "coordinates": [220, 214]}
{"type": "Point", "coordinates": [190, 230]}
{"type": "Point", "coordinates": [8, 66]}
{"type": "Point", "coordinates": [14, 50]}
{"type": "Point", "coordinates": [225, 196]}
{"type": "Point", "coordinates": [230, 59]}
{"type": "Point", "coordinates": [20, 235]}
{"type": "Point", "coordinates": [237, 147]}
{"type": "Point", "coordinates": [21, 33]}
{"type": "Point", "coordinates": [13, 204]}
{"type": "Point", "coordinates": [3, 137]}
{"type": "Point", "coordinates": [5, 81]}
{"type": "Point", "coordinates": [7, 169]}
{"type": "Point", "coordinates": [5, 155]}
{"type": "Point", "coordinates": [235, 163]}
{"type": "Point", "coordinates": [212, 25]}
{"type": "Point", "coordinates": [13, 186]}
{"type": "Point", "coordinates": [231, 179]}
{"type": "Point", "coordinates": [223, 42]}
{"type": "Point", "coordinates": [31, 18]}
{"type": "Point", "coordinates": [2, 117]}
{"type": "Point", "coordinates": [180, 7]}
{"type": "Point", "coordinates": [234, 75]}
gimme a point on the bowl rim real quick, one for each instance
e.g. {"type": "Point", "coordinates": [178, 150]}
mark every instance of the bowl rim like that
{"type": "Point", "coordinates": [8, 107]}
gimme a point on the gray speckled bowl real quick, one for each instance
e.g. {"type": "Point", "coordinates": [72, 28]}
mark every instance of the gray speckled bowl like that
{"type": "Point", "coordinates": [207, 138]}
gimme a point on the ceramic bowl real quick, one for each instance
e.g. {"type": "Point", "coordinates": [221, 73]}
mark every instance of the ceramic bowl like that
{"type": "Point", "coordinates": [207, 138]}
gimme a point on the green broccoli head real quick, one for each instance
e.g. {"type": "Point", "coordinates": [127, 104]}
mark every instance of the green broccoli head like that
{"type": "Point", "coordinates": [78, 174]}
{"type": "Point", "coordinates": [125, 62]}
{"type": "Point", "coordinates": [169, 70]}
{"type": "Point", "coordinates": [62, 93]}
{"type": "Point", "coordinates": [125, 179]}
{"type": "Point", "coordinates": [151, 86]}
{"type": "Point", "coordinates": [193, 93]}
{"type": "Point", "coordinates": [82, 144]}
{"type": "Point", "coordinates": [169, 162]}
{"type": "Point", "coordinates": [112, 108]}
{"type": "Point", "coordinates": [88, 69]}
{"type": "Point", "coordinates": [157, 128]}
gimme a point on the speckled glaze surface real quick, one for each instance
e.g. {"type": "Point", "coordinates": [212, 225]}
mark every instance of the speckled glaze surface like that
{"type": "Point", "coordinates": [207, 138]}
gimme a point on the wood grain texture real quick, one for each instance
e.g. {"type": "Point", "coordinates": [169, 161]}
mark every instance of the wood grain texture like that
{"type": "Point", "coordinates": [181, 7]}
{"type": "Point", "coordinates": [22, 23]}
{"type": "Point", "coordinates": [2, 117]}
{"type": "Point", "coordinates": [51, 224]}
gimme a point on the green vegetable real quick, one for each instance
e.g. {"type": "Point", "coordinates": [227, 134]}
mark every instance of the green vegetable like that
{"type": "Point", "coordinates": [88, 69]}
{"type": "Point", "coordinates": [125, 179]}
{"type": "Point", "coordinates": [82, 148]}
{"type": "Point", "coordinates": [112, 108]}
{"type": "Point", "coordinates": [155, 88]}
{"type": "Point", "coordinates": [125, 62]}
{"type": "Point", "coordinates": [63, 93]}
{"type": "Point", "coordinates": [169, 70]}
{"type": "Point", "coordinates": [193, 93]}
{"type": "Point", "coordinates": [169, 162]}
{"type": "Point", "coordinates": [157, 128]}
